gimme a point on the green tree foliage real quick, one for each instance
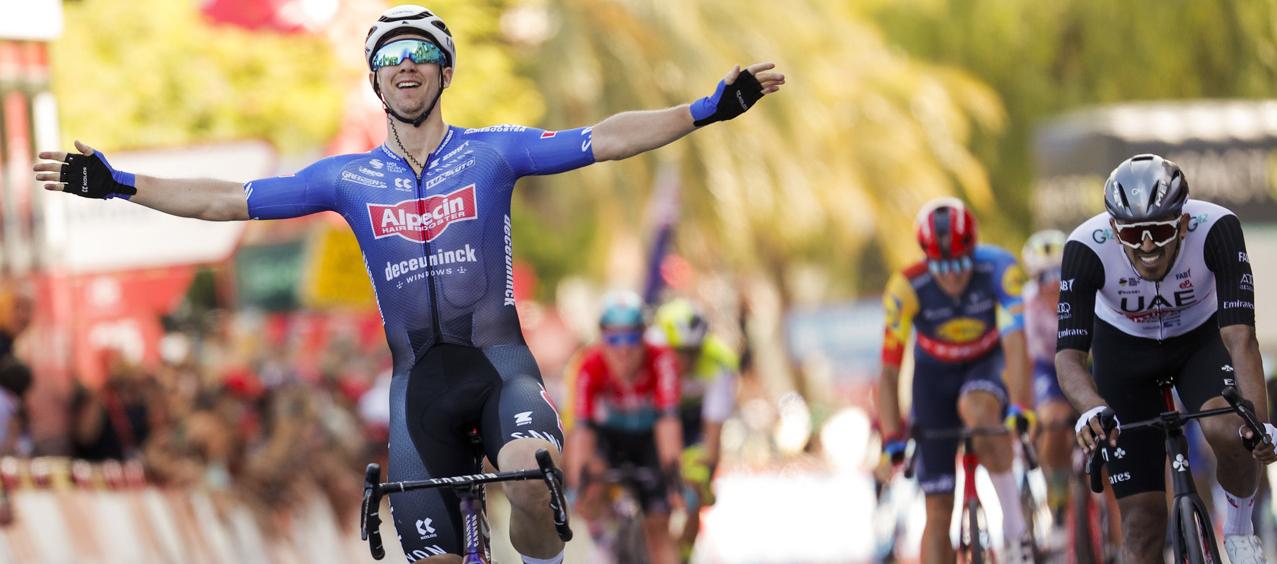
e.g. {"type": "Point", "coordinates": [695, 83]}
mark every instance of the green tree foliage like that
{"type": "Point", "coordinates": [488, 86]}
{"type": "Point", "coordinates": [860, 136]}
{"type": "Point", "coordinates": [148, 73]}
{"type": "Point", "coordinates": [1044, 58]}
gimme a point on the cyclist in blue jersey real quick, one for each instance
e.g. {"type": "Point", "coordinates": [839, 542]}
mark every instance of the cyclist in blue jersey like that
{"type": "Point", "coordinates": [963, 307]}
{"type": "Point", "coordinates": [431, 211]}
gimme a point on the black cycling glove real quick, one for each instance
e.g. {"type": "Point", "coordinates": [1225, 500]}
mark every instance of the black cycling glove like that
{"type": "Point", "coordinates": [91, 176]}
{"type": "Point", "coordinates": [728, 100]}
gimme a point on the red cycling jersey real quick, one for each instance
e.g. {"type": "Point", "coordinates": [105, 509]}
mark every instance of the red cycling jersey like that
{"type": "Point", "coordinates": [605, 400]}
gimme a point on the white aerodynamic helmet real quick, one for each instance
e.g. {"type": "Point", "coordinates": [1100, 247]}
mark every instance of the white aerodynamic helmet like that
{"type": "Point", "coordinates": [410, 18]}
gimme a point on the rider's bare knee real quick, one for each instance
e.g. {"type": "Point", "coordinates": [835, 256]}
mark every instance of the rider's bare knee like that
{"type": "Point", "coordinates": [1144, 521]}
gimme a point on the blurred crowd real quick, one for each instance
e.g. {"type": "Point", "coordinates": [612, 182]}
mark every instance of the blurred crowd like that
{"type": "Point", "coordinates": [264, 409]}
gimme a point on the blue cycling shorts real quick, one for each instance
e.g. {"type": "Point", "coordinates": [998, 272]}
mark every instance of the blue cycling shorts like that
{"type": "Point", "coordinates": [936, 389]}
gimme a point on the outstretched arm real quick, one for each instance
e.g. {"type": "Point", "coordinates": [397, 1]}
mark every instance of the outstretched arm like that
{"type": "Point", "coordinates": [200, 198]}
{"type": "Point", "coordinates": [629, 133]}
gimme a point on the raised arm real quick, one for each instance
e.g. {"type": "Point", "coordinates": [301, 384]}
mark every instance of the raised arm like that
{"type": "Point", "coordinates": [629, 133]}
{"type": "Point", "coordinates": [89, 174]}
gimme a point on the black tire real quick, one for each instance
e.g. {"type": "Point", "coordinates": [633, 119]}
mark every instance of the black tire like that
{"type": "Point", "coordinates": [1196, 534]}
{"type": "Point", "coordinates": [1029, 508]}
{"type": "Point", "coordinates": [974, 549]}
{"type": "Point", "coordinates": [1084, 522]}
{"type": "Point", "coordinates": [631, 545]}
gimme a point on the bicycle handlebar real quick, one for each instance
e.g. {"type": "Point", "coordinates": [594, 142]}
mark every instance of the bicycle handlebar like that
{"type": "Point", "coordinates": [1237, 404]}
{"type": "Point", "coordinates": [370, 519]}
{"type": "Point", "coordinates": [558, 505]}
{"type": "Point", "coordinates": [963, 433]}
{"type": "Point", "coordinates": [1245, 408]}
{"type": "Point", "coordinates": [1108, 421]}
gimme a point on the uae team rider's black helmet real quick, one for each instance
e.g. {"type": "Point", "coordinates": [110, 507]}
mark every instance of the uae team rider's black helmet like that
{"type": "Point", "coordinates": [1145, 188]}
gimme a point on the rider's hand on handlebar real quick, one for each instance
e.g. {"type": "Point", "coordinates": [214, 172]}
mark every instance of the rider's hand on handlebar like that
{"type": "Point", "coordinates": [1020, 419]}
{"type": "Point", "coordinates": [893, 453]}
{"type": "Point", "coordinates": [1263, 451]}
{"type": "Point", "coordinates": [1090, 428]}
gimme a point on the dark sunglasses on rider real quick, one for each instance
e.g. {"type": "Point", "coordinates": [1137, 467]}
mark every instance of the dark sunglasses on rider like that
{"type": "Point", "coordinates": [1160, 232]}
{"type": "Point", "coordinates": [419, 51]}
{"type": "Point", "coordinates": [951, 265]}
{"type": "Point", "coordinates": [1048, 277]}
{"type": "Point", "coordinates": [622, 338]}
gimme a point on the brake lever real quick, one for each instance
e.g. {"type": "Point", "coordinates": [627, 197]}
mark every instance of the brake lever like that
{"type": "Point", "coordinates": [1246, 409]}
{"type": "Point", "coordinates": [370, 519]}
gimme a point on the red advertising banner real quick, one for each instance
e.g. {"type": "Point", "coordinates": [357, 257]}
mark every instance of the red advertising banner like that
{"type": "Point", "coordinates": [119, 314]}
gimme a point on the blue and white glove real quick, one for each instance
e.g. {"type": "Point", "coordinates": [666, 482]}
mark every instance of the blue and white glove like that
{"type": "Point", "coordinates": [91, 176]}
{"type": "Point", "coordinates": [728, 100]}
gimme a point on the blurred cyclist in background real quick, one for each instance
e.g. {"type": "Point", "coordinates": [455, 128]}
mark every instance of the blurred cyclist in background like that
{"type": "Point", "coordinates": [963, 305]}
{"type": "Point", "coordinates": [708, 368]}
{"type": "Point", "coordinates": [626, 408]}
{"type": "Point", "coordinates": [1041, 256]}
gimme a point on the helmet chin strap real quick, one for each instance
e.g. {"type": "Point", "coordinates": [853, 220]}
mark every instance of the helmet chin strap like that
{"type": "Point", "coordinates": [417, 121]}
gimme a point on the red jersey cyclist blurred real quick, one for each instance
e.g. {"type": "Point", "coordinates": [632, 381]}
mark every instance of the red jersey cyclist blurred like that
{"type": "Point", "coordinates": [626, 401]}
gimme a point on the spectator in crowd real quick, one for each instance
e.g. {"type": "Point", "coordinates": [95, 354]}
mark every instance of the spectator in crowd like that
{"type": "Point", "coordinates": [111, 423]}
{"type": "Point", "coordinates": [15, 380]}
{"type": "Point", "coordinates": [16, 311]}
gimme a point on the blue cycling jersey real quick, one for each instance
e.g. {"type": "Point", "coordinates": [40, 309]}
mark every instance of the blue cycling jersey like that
{"type": "Point", "coordinates": [437, 246]}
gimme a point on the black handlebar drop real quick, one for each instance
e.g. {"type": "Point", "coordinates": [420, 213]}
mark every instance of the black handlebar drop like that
{"type": "Point", "coordinates": [1246, 410]}
{"type": "Point", "coordinates": [1108, 422]}
{"type": "Point", "coordinates": [558, 504]}
{"type": "Point", "coordinates": [370, 521]}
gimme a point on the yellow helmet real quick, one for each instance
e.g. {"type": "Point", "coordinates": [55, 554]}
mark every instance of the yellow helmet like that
{"type": "Point", "coordinates": [682, 324]}
{"type": "Point", "coordinates": [1044, 251]}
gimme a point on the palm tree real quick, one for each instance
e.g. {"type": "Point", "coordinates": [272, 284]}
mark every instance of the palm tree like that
{"type": "Point", "coordinates": [832, 167]}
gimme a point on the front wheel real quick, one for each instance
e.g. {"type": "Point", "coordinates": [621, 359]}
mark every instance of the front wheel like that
{"type": "Point", "coordinates": [1196, 539]}
{"type": "Point", "coordinates": [974, 541]}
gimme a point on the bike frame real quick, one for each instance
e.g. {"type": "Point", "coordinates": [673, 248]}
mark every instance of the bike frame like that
{"type": "Point", "coordinates": [970, 496]}
{"type": "Point", "coordinates": [1186, 500]}
{"type": "Point", "coordinates": [969, 461]}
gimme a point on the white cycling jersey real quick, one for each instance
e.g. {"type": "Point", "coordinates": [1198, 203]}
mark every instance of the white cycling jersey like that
{"type": "Point", "coordinates": [1211, 274]}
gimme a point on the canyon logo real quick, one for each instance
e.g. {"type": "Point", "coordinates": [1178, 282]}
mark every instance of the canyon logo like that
{"type": "Point", "coordinates": [424, 219]}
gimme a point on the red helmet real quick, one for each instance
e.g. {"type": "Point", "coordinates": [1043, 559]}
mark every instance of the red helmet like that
{"type": "Point", "coordinates": [946, 229]}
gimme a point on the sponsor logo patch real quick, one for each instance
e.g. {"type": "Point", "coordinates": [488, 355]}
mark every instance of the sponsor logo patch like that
{"type": "Point", "coordinates": [423, 219]}
{"type": "Point", "coordinates": [448, 174]}
{"type": "Point", "coordinates": [361, 180]}
{"type": "Point", "coordinates": [503, 128]}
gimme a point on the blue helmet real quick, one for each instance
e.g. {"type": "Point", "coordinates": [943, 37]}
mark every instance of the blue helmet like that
{"type": "Point", "coordinates": [622, 309]}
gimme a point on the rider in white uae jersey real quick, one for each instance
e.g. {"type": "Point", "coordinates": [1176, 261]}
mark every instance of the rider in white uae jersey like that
{"type": "Point", "coordinates": [1159, 288]}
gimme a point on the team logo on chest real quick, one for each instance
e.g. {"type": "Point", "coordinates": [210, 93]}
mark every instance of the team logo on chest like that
{"type": "Point", "coordinates": [422, 219]}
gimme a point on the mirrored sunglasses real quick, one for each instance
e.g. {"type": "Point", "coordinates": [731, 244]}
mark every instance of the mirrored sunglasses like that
{"type": "Point", "coordinates": [419, 51]}
{"type": "Point", "coordinates": [1160, 232]}
{"type": "Point", "coordinates": [622, 338]}
{"type": "Point", "coordinates": [949, 265]}
{"type": "Point", "coordinates": [1048, 277]}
